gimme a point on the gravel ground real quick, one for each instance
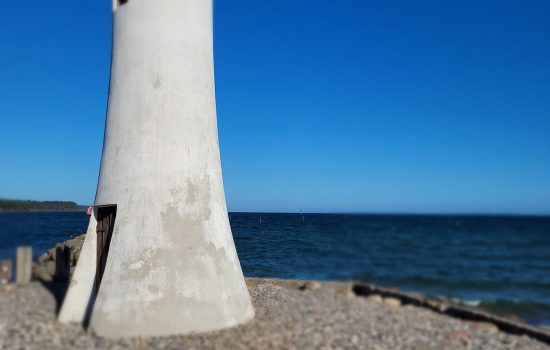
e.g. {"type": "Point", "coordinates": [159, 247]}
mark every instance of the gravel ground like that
{"type": "Point", "coordinates": [285, 319]}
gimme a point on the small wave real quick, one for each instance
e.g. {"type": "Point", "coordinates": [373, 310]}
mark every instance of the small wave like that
{"type": "Point", "coordinates": [531, 312]}
{"type": "Point", "coordinates": [471, 303]}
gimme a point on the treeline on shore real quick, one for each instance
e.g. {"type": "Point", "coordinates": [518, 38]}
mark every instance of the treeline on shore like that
{"type": "Point", "coordinates": [21, 205]}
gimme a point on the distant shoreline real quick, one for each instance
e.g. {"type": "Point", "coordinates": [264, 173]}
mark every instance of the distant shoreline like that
{"type": "Point", "coordinates": [44, 211]}
{"type": "Point", "coordinates": [15, 205]}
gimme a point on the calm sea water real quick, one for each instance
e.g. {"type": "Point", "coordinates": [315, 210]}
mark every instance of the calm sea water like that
{"type": "Point", "coordinates": [497, 263]}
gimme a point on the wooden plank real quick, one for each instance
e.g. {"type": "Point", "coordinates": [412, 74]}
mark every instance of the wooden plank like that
{"type": "Point", "coordinates": [23, 266]}
{"type": "Point", "coordinates": [106, 221]}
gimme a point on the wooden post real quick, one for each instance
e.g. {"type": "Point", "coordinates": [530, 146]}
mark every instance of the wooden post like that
{"type": "Point", "coordinates": [23, 265]}
{"type": "Point", "coordinates": [5, 273]}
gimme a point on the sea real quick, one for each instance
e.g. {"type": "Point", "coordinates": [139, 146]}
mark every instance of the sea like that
{"type": "Point", "coordinates": [497, 263]}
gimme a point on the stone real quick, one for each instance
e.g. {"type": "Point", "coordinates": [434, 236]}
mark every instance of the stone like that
{"type": "Point", "coordinates": [340, 288]}
{"type": "Point", "coordinates": [484, 326]}
{"type": "Point", "coordinates": [312, 285]}
{"type": "Point", "coordinates": [50, 268]}
{"type": "Point", "coordinates": [375, 297]}
{"type": "Point", "coordinates": [41, 274]}
{"type": "Point", "coordinates": [52, 253]}
{"type": "Point", "coordinates": [392, 302]}
{"type": "Point", "coordinates": [460, 337]}
{"type": "Point", "coordinates": [409, 307]}
{"type": "Point", "coordinates": [43, 258]}
{"type": "Point", "coordinates": [72, 243]}
{"type": "Point", "coordinates": [74, 255]}
{"type": "Point", "coordinates": [513, 318]}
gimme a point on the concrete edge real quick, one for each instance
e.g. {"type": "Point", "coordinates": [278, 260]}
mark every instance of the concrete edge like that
{"type": "Point", "coordinates": [440, 306]}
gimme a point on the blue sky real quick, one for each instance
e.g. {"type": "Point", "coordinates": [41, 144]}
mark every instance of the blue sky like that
{"type": "Point", "coordinates": [361, 106]}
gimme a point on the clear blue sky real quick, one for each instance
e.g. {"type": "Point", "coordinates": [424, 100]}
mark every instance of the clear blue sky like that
{"type": "Point", "coordinates": [363, 106]}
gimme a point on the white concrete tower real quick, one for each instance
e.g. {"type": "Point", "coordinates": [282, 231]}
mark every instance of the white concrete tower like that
{"type": "Point", "coordinates": [159, 249]}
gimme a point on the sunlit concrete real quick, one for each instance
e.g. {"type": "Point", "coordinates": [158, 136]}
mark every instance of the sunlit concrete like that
{"type": "Point", "coordinates": [172, 266]}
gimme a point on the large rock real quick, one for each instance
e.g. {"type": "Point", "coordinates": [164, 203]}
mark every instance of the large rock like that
{"type": "Point", "coordinates": [40, 272]}
{"type": "Point", "coordinates": [392, 302]}
{"type": "Point", "coordinates": [59, 262]}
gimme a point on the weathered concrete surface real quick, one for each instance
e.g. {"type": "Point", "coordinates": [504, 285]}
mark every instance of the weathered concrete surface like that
{"type": "Point", "coordinates": [80, 290]}
{"type": "Point", "coordinates": [172, 266]}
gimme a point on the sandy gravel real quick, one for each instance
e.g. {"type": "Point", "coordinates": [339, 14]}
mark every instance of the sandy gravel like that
{"type": "Point", "coordinates": [285, 319]}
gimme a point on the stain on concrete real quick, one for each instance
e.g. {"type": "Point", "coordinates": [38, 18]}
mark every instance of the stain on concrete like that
{"type": "Point", "coordinates": [157, 83]}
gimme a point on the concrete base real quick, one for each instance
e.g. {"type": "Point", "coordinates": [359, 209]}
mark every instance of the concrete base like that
{"type": "Point", "coordinates": [78, 297]}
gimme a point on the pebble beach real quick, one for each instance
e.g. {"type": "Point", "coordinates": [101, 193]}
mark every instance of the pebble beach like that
{"type": "Point", "coordinates": [286, 318]}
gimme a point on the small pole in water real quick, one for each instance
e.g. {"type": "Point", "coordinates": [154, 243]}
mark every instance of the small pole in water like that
{"type": "Point", "coordinates": [302, 215]}
{"type": "Point", "coordinates": [260, 221]}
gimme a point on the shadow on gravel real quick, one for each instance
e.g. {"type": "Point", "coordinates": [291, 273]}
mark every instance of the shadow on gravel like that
{"type": "Point", "coordinates": [59, 277]}
{"type": "Point", "coordinates": [58, 289]}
